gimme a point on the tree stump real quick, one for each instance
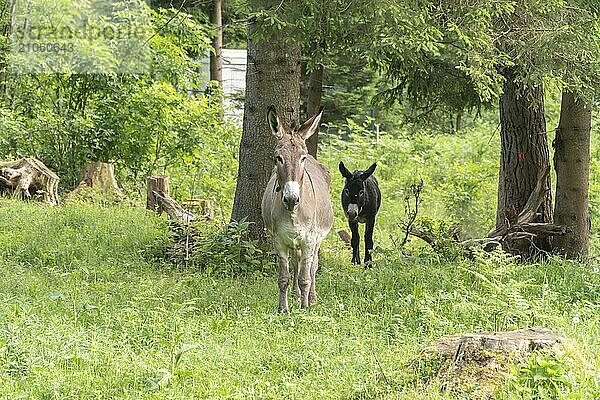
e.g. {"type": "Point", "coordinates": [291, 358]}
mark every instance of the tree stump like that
{"type": "Point", "coordinates": [27, 178]}
{"type": "Point", "coordinates": [158, 184]}
{"type": "Point", "coordinates": [159, 199]}
{"type": "Point", "coordinates": [203, 207]}
{"type": "Point", "coordinates": [100, 177]}
{"type": "Point", "coordinates": [477, 362]}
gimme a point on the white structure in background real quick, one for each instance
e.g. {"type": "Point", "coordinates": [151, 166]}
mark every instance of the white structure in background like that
{"type": "Point", "coordinates": [234, 81]}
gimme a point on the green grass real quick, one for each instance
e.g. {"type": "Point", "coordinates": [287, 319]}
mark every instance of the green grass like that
{"type": "Point", "coordinates": [87, 312]}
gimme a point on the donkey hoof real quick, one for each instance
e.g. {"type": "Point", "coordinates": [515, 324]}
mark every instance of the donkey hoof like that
{"type": "Point", "coordinates": [283, 310]}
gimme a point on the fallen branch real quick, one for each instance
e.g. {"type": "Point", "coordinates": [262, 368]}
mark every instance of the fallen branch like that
{"type": "Point", "coordinates": [516, 228]}
{"type": "Point", "coordinates": [172, 208]}
{"type": "Point", "coordinates": [529, 212]}
{"type": "Point", "coordinates": [159, 199]}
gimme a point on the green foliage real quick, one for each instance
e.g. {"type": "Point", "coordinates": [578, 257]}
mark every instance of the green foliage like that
{"type": "Point", "coordinates": [86, 313]}
{"type": "Point", "coordinates": [218, 249]}
{"type": "Point", "coordinates": [451, 56]}
{"type": "Point", "coordinates": [444, 236]}
{"type": "Point", "coordinates": [66, 37]}
{"type": "Point", "coordinates": [163, 127]}
{"type": "Point", "coordinates": [146, 123]}
{"type": "Point", "coordinates": [14, 357]}
{"type": "Point", "coordinates": [546, 375]}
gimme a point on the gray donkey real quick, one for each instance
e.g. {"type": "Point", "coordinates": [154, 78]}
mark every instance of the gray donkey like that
{"type": "Point", "coordinates": [296, 208]}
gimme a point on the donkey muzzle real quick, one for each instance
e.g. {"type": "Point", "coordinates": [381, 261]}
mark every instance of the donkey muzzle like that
{"type": "Point", "coordinates": [291, 195]}
{"type": "Point", "coordinates": [352, 212]}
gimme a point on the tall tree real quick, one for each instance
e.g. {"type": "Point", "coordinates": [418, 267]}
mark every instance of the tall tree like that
{"type": "Point", "coordinates": [571, 162]}
{"type": "Point", "coordinates": [524, 158]}
{"type": "Point", "coordinates": [216, 57]}
{"type": "Point", "coordinates": [313, 104]}
{"type": "Point", "coordinates": [329, 28]}
{"type": "Point", "coordinates": [272, 77]}
{"type": "Point", "coordinates": [467, 55]}
{"type": "Point", "coordinates": [579, 73]}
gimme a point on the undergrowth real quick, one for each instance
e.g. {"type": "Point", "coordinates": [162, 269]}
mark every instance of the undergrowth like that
{"type": "Point", "coordinates": [215, 248]}
{"type": "Point", "coordinates": [88, 312]}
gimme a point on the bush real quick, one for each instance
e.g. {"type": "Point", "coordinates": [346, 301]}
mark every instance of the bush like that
{"type": "Point", "coordinates": [216, 249]}
{"type": "Point", "coordinates": [157, 122]}
{"type": "Point", "coordinates": [546, 375]}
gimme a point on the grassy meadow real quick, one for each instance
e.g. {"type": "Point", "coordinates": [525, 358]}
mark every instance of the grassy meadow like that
{"type": "Point", "coordinates": [91, 310]}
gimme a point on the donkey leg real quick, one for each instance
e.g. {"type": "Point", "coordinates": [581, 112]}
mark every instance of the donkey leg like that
{"type": "Point", "coordinates": [312, 295]}
{"type": "Point", "coordinates": [355, 242]}
{"type": "Point", "coordinates": [304, 272]}
{"type": "Point", "coordinates": [284, 278]}
{"type": "Point", "coordinates": [369, 239]}
{"type": "Point", "coordinates": [296, 269]}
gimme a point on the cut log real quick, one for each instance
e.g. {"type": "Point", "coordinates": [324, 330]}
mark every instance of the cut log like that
{"type": "Point", "coordinates": [477, 362]}
{"type": "Point", "coordinates": [172, 208]}
{"type": "Point", "coordinates": [100, 177]}
{"type": "Point", "coordinates": [27, 178]}
{"type": "Point", "coordinates": [159, 199]}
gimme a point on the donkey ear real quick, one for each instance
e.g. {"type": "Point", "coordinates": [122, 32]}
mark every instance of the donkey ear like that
{"type": "Point", "coordinates": [311, 126]}
{"type": "Point", "coordinates": [344, 171]}
{"type": "Point", "coordinates": [274, 122]}
{"type": "Point", "coordinates": [368, 172]}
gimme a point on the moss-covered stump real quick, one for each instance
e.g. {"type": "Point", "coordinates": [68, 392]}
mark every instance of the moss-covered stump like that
{"type": "Point", "coordinates": [477, 362]}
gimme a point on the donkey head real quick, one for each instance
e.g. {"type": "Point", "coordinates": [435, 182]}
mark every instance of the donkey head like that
{"type": "Point", "coordinates": [291, 154]}
{"type": "Point", "coordinates": [353, 195]}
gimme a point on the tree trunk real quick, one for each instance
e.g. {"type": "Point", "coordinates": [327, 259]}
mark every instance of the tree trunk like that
{"type": "Point", "coordinates": [572, 165]}
{"type": "Point", "coordinates": [458, 127]}
{"type": "Point", "coordinates": [6, 17]}
{"type": "Point", "coordinates": [524, 158]}
{"type": "Point", "coordinates": [216, 58]}
{"type": "Point", "coordinates": [203, 207]}
{"type": "Point", "coordinates": [272, 77]}
{"type": "Point", "coordinates": [315, 89]}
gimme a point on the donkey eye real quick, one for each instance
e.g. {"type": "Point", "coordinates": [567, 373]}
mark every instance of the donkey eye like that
{"type": "Point", "coordinates": [346, 192]}
{"type": "Point", "coordinates": [279, 159]}
{"type": "Point", "coordinates": [302, 159]}
{"type": "Point", "coordinates": [361, 193]}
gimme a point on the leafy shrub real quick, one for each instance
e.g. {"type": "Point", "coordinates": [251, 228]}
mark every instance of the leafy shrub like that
{"type": "Point", "coordinates": [543, 375]}
{"type": "Point", "coordinates": [217, 249]}
{"type": "Point", "coordinates": [143, 123]}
